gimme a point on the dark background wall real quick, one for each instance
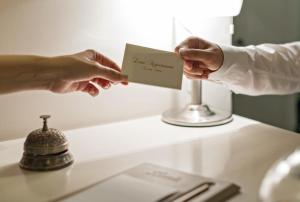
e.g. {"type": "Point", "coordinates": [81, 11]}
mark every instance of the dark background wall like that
{"type": "Point", "coordinates": [268, 21]}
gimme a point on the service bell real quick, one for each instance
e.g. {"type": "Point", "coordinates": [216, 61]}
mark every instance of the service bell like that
{"type": "Point", "coordinates": [46, 149]}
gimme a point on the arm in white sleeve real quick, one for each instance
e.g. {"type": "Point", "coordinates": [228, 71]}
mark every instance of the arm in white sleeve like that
{"type": "Point", "coordinates": [263, 69]}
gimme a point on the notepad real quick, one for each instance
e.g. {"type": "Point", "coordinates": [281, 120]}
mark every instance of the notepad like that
{"type": "Point", "coordinates": [153, 183]}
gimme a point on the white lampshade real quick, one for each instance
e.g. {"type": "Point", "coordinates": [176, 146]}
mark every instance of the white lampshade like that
{"type": "Point", "coordinates": [206, 8]}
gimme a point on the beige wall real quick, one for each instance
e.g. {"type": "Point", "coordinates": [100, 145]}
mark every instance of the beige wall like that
{"type": "Point", "coordinates": [52, 27]}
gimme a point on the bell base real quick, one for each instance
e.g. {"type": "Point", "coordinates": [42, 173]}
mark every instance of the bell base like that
{"type": "Point", "coordinates": [196, 116]}
{"type": "Point", "coordinates": [46, 162]}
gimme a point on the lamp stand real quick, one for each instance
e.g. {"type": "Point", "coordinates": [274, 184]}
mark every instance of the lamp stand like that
{"type": "Point", "coordinates": [196, 114]}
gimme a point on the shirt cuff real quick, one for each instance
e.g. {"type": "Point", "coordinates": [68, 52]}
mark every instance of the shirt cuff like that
{"type": "Point", "coordinates": [230, 56]}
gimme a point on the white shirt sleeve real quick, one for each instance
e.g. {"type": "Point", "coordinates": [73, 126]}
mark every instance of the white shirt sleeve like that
{"type": "Point", "coordinates": [263, 69]}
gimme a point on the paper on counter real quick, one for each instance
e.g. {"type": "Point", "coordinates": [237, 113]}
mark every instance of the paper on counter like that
{"type": "Point", "coordinates": [123, 188]}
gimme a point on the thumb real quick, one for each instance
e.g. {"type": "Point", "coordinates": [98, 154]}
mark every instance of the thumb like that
{"type": "Point", "coordinates": [110, 74]}
{"type": "Point", "coordinates": [196, 54]}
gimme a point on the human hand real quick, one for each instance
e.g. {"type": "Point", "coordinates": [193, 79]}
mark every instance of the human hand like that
{"type": "Point", "coordinates": [200, 57]}
{"type": "Point", "coordinates": [84, 71]}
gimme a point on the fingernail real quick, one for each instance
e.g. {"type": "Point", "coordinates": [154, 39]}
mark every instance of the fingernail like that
{"type": "Point", "coordinates": [93, 93]}
{"type": "Point", "coordinates": [107, 86]}
{"type": "Point", "coordinates": [125, 78]}
{"type": "Point", "coordinates": [204, 76]}
{"type": "Point", "coordinates": [182, 50]}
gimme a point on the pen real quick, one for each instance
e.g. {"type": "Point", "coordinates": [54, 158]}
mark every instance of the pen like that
{"type": "Point", "coordinates": [195, 192]}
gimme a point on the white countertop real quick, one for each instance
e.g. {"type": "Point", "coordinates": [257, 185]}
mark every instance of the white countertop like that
{"type": "Point", "coordinates": [240, 152]}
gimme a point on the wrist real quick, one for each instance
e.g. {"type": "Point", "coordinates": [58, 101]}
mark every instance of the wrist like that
{"type": "Point", "coordinates": [42, 73]}
{"type": "Point", "coordinates": [223, 64]}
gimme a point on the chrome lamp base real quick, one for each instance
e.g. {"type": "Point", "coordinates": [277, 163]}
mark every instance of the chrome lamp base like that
{"type": "Point", "coordinates": [196, 116]}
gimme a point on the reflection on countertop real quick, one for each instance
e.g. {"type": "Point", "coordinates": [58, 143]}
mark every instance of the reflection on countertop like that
{"type": "Point", "coordinates": [240, 152]}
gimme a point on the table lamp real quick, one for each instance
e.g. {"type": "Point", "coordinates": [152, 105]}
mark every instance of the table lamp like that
{"type": "Point", "coordinates": [196, 113]}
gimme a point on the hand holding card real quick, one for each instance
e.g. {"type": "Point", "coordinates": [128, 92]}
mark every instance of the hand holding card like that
{"type": "Point", "coordinates": [152, 67]}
